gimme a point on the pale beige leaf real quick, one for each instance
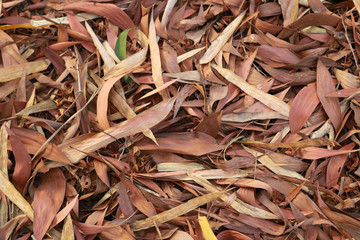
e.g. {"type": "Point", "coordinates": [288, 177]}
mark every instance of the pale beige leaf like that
{"type": "Point", "coordinates": [108, 61]}
{"type": "Point", "coordinates": [17, 71]}
{"type": "Point", "coordinates": [174, 212]}
{"type": "Point", "coordinates": [346, 79]}
{"type": "Point", "coordinates": [238, 205]}
{"type": "Point", "coordinates": [68, 231]}
{"type": "Point", "coordinates": [357, 5]}
{"type": "Point", "coordinates": [126, 66]}
{"type": "Point", "coordinates": [246, 116]}
{"type": "Point", "coordinates": [187, 75]}
{"type": "Point", "coordinates": [270, 164]}
{"type": "Point", "coordinates": [289, 10]}
{"type": "Point", "coordinates": [155, 59]}
{"type": "Point", "coordinates": [267, 99]}
{"type": "Point", "coordinates": [14, 196]}
{"type": "Point", "coordinates": [169, 7]}
{"type": "Point", "coordinates": [167, 84]}
{"type": "Point", "coordinates": [188, 54]}
{"type": "Point", "coordinates": [218, 44]}
{"type": "Point", "coordinates": [173, 166]}
{"type": "Point", "coordinates": [4, 210]}
{"type": "Point", "coordinates": [141, 122]}
{"type": "Point", "coordinates": [40, 107]}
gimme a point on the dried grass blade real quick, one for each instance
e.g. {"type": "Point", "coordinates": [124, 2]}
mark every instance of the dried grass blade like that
{"type": "Point", "coordinates": [217, 45]}
{"type": "Point", "coordinates": [267, 99]}
{"type": "Point", "coordinates": [17, 71]}
{"type": "Point", "coordinates": [174, 212]}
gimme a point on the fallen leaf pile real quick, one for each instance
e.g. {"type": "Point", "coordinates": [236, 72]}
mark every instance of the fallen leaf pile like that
{"type": "Point", "coordinates": [204, 119]}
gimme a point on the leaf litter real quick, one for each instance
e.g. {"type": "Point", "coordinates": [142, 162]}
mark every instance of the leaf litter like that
{"type": "Point", "coordinates": [234, 119]}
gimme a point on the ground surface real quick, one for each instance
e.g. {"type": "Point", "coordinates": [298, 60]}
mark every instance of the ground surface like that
{"type": "Point", "coordinates": [222, 119]}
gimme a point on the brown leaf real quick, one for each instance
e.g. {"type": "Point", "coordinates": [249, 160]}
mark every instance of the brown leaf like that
{"type": "Point", "coordinates": [33, 140]}
{"type": "Point", "coordinates": [336, 165]}
{"type": "Point", "coordinates": [22, 168]}
{"type": "Point", "coordinates": [302, 107]}
{"type": "Point", "coordinates": [48, 198]}
{"type": "Point", "coordinates": [324, 84]}
{"type": "Point", "coordinates": [185, 143]}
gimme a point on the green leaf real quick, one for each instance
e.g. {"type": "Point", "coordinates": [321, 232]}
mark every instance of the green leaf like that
{"type": "Point", "coordinates": [120, 46]}
{"type": "Point", "coordinates": [120, 51]}
{"type": "Point", "coordinates": [127, 80]}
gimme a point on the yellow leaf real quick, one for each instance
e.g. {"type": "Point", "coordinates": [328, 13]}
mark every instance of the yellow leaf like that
{"type": "Point", "coordinates": [208, 234]}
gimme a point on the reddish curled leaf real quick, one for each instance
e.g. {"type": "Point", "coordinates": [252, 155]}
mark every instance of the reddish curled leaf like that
{"type": "Point", "coordinates": [293, 79]}
{"type": "Point", "coordinates": [302, 107]}
{"type": "Point", "coordinates": [48, 198]}
{"type": "Point", "coordinates": [33, 140]}
{"type": "Point", "coordinates": [325, 85]}
{"type": "Point", "coordinates": [78, 31]}
{"type": "Point", "coordinates": [22, 169]}
{"type": "Point", "coordinates": [117, 16]}
{"type": "Point", "coordinates": [336, 165]}
{"type": "Point", "coordinates": [314, 19]}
